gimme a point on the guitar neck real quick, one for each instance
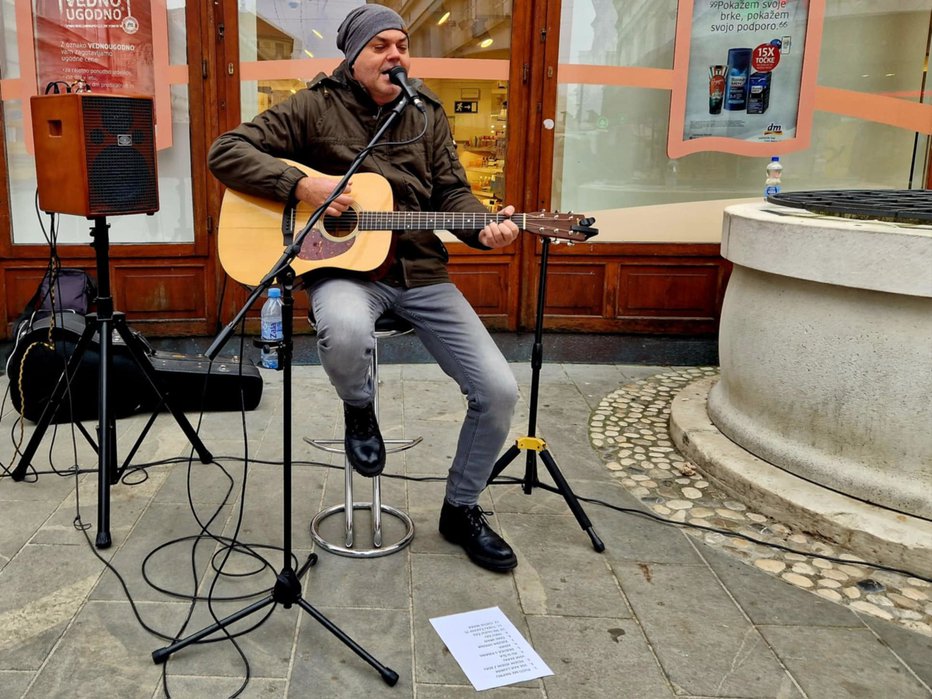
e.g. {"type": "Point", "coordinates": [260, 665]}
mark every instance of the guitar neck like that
{"type": "Point", "coordinates": [413, 220]}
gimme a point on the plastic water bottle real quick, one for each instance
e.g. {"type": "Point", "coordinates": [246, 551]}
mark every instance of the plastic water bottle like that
{"type": "Point", "coordinates": [271, 332]}
{"type": "Point", "coordinates": [774, 172]}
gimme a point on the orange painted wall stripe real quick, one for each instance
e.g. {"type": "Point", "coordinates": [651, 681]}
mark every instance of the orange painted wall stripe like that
{"type": "Point", "coordinates": [882, 109]}
{"type": "Point", "coordinates": [450, 68]}
{"type": "Point", "coordinates": [878, 108]}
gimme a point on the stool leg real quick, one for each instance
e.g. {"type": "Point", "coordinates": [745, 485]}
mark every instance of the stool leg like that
{"type": "Point", "coordinates": [348, 503]}
{"type": "Point", "coordinates": [376, 513]}
{"type": "Point", "coordinates": [376, 482]}
{"type": "Point", "coordinates": [349, 506]}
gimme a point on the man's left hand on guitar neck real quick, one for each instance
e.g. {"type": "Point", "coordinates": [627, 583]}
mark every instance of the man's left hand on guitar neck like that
{"type": "Point", "coordinates": [498, 235]}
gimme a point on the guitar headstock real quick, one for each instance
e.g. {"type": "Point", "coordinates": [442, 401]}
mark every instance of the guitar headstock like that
{"type": "Point", "coordinates": [553, 224]}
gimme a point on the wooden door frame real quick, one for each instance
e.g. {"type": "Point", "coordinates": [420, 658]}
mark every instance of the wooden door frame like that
{"type": "Point", "coordinates": [543, 40]}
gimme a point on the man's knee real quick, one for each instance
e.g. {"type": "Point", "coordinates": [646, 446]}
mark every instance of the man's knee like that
{"type": "Point", "coordinates": [499, 394]}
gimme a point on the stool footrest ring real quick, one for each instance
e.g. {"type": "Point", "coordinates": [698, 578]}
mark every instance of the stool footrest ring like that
{"type": "Point", "coordinates": [335, 446]}
{"type": "Point", "coordinates": [350, 550]}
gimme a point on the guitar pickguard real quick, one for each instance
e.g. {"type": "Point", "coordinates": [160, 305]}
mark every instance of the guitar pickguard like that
{"type": "Point", "coordinates": [316, 246]}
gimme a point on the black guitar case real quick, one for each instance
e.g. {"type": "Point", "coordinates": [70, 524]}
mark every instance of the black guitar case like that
{"type": "Point", "coordinates": [191, 383]}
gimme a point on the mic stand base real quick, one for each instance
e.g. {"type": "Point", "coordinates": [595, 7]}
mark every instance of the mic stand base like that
{"type": "Point", "coordinates": [287, 592]}
{"type": "Point", "coordinates": [530, 480]}
{"type": "Point", "coordinates": [287, 588]}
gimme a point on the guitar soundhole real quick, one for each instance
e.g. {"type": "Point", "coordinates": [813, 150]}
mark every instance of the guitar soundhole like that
{"type": "Point", "coordinates": [340, 228]}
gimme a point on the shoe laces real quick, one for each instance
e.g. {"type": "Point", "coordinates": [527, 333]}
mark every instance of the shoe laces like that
{"type": "Point", "coordinates": [477, 517]}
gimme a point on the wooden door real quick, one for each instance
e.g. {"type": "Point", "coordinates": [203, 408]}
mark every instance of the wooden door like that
{"type": "Point", "coordinates": [161, 267]}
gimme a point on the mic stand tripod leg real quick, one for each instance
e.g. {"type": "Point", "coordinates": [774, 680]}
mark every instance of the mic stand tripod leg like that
{"type": "Point", "coordinates": [571, 500]}
{"type": "Point", "coordinates": [287, 592]}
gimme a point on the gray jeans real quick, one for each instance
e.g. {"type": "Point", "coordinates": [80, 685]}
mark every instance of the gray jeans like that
{"type": "Point", "coordinates": [345, 311]}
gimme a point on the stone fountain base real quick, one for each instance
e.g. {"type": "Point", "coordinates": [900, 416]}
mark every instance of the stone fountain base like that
{"type": "Point", "coordinates": [874, 533]}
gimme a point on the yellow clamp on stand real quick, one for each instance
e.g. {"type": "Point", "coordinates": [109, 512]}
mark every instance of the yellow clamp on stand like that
{"type": "Point", "coordinates": [531, 443]}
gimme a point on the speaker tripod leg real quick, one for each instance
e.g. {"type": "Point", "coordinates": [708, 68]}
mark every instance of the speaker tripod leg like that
{"type": "Point", "coordinates": [142, 361]}
{"type": "Point", "coordinates": [106, 435]}
{"type": "Point", "coordinates": [52, 407]}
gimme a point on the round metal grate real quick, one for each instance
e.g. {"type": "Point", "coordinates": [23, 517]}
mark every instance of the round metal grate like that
{"type": "Point", "coordinates": [898, 205]}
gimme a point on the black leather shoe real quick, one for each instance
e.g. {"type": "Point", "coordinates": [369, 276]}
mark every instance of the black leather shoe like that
{"type": "Point", "coordinates": [363, 441]}
{"type": "Point", "coordinates": [467, 526]}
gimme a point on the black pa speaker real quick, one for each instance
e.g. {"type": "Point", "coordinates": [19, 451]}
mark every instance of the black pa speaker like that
{"type": "Point", "coordinates": [95, 154]}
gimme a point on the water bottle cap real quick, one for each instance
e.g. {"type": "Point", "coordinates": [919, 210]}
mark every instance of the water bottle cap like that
{"type": "Point", "coordinates": [275, 293]}
{"type": "Point", "coordinates": [775, 158]}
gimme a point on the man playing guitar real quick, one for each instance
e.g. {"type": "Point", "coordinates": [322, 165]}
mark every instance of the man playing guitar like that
{"type": "Point", "coordinates": [324, 127]}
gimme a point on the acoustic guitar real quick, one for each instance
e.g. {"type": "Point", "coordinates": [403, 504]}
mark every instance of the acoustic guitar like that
{"type": "Point", "coordinates": [250, 239]}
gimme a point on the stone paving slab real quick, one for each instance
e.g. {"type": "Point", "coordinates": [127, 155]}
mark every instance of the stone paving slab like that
{"type": "Point", "coordinates": [704, 643]}
{"type": "Point", "coordinates": [597, 657]}
{"type": "Point", "coordinates": [842, 662]}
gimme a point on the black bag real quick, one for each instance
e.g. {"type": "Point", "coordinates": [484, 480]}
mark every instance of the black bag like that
{"type": "Point", "coordinates": [74, 290]}
{"type": "Point", "coordinates": [35, 366]}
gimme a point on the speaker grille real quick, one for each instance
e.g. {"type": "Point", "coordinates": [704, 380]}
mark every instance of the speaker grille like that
{"type": "Point", "coordinates": [121, 159]}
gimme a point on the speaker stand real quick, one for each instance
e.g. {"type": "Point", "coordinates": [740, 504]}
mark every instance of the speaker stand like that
{"type": "Point", "coordinates": [104, 323]}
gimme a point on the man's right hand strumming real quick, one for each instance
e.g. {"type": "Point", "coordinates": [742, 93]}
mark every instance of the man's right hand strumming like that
{"type": "Point", "coordinates": [315, 190]}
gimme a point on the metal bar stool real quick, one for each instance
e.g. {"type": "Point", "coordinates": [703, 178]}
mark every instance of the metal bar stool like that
{"type": "Point", "coordinates": [388, 325]}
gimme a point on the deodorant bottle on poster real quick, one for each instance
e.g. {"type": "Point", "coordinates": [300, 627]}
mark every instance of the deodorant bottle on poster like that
{"type": "Point", "coordinates": [736, 82]}
{"type": "Point", "coordinates": [716, 88]}
{"type": "Point", "coordinates": [758, 92]}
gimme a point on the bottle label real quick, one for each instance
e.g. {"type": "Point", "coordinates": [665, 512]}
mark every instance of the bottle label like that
{"type": "Point", "coordinates": [272, 330]}
{"type": "Point", "coordinates": [771, 189]}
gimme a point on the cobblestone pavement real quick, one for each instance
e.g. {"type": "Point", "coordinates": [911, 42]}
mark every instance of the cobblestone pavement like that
{"type": "Point", "coordinates": [629, 428]}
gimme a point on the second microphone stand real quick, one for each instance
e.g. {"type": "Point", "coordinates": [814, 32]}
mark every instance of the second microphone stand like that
{"type": "Point", "coordinates": [531, 443]}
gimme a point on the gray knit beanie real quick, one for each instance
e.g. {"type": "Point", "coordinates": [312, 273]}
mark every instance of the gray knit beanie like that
{"type": "Point", "coordinates": [361, 25]}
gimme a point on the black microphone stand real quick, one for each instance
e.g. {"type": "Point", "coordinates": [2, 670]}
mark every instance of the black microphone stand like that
{"type": "Point", "coordinates": [531, 442]}
{"type": "Point", "coordinates": [287, 589]}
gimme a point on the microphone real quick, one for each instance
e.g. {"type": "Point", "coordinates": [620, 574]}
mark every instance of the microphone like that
{"type": "Point", "coordinates": [399, 77]}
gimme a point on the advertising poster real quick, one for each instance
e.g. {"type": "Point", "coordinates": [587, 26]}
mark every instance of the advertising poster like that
{"type": "Point", "coordinates": [105, 44]}
{"type": "Point", "coordinates": [744, 76]}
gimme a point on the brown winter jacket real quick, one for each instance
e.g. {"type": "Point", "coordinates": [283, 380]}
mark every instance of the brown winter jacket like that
{"type": "Point", "coordinates": [324, 127]}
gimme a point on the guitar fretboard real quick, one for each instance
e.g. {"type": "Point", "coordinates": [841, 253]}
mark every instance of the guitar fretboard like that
{"type": "Point", "coordinates": [408, 220]}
